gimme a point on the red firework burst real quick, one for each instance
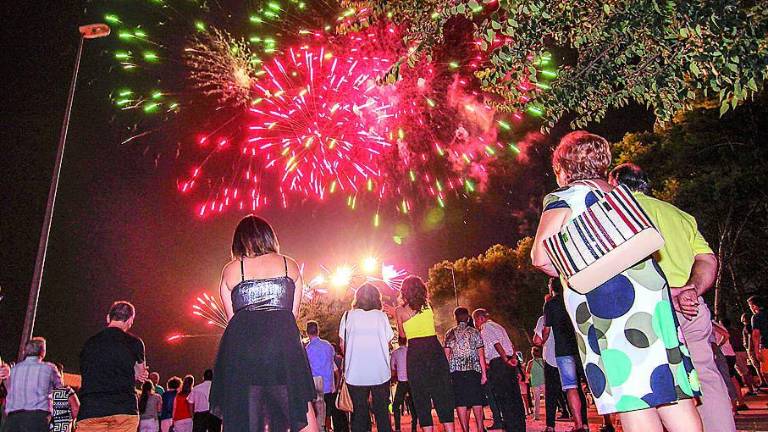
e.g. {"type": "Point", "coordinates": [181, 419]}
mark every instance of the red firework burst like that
{"type": "Point", "coordinates": [315, 119]}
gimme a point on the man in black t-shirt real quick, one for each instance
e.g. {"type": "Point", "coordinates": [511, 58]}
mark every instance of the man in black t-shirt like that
{"type": "Point", "coordinates": [558, 324]}
{"type": "Point", "coordinates": [111, 362]}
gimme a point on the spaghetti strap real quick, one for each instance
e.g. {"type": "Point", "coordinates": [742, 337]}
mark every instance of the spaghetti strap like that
{"type": "Point", "coordinates": [285, 264]}
{"type": "Point", "coordinates": [242, 271]}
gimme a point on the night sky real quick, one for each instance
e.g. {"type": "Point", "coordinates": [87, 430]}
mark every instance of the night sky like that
{"type": "Point", "coordinates": [122, 231]}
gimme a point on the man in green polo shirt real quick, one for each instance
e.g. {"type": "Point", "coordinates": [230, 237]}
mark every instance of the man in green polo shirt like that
{"type": "Point", "coordinates": [690, 267]}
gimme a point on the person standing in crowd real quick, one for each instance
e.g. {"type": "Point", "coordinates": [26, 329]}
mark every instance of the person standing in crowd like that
{"type": "Point", "coordinates": [725, 357]}
{"type": "Point", "coordinates": [740, 354]}
{"type": "Point", "coordinates": [155, 378]}
{"type": "Point", "coordinates": [466, 358]}
{"type": "Point", "coordinates": [320, 353]}
{"type": "Point", "coordinates": [111, 362]}
{"type": "Point", "coordinates": [690, 268]}
{"type": "Point", "coordinates": [428, 370]}
{"type": "Point", "coordinates": [759, 335]}
{"type": "Point", "coordinates": [202, 419]}
{"type": "Point", "coordinates": [502, 370]}
{"type": "Point", "coordinates": [746, 339]}
{"type": "Point", "coordinates": [619, 366]}
{"type": "Point", "coordinates": [182, 409]}
{"type": "Point", "coordinates": [558, 323]}
{"type": "Point", "coordinates": [168, 397]}
{"type": "Point", "coordinates": [535, 372]}
{"type": "Point", "coordinates": [553, 393]}
{"type": "Point", "coordinates": [65, 406]}
{"type": "Point", "coordinates": [364, 334]}
{"type": "Point", "coordinates": [150, 405]}
{"type": "Point", "coordinates": [261, 291]}
{"type": "Point", "coordinates": [398, 362]}
{"type": "Point", "coordinates": [31, 382]}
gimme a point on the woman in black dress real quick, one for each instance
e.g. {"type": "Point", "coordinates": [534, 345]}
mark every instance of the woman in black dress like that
{"type": "Point", "coordinates": [262, 379]}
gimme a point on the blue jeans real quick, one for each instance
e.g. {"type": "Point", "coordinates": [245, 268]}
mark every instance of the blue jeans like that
{"type": "Point", "coordinates": [567, 367]}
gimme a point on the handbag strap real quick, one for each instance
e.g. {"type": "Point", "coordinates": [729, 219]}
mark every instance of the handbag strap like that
{"type": "Point", "coordinates": [346, 341]}
{"type": "Point", "coordinates": [593, 186]}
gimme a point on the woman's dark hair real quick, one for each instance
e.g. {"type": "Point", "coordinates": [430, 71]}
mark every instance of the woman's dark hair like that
{"type": "Point", "coordinates": [631, 176]}
{"type": "Point", "coordinates": [413, 292]}
{"type": "Point", "coordinates": [367, 297]}
{"type": "Point", "coordinates": [461, 314]}
{"type": "Point", "coordinates": [726, 322]}
{"type": "Point", "coordinates": [146, 390]}
{"type": "Point", "coordinates": [186, 387]}
{"type": "Point", "coordinates": [253, 237]}
{"type": "Point", "coordinates": [173, 383]}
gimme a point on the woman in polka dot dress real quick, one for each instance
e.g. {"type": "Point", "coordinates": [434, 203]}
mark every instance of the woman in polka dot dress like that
{"type": "Point", "coordinates": [626, 329]}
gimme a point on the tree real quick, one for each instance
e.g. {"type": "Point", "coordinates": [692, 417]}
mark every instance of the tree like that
{"type": "Point", "coordinates": [715, 168]}
{"type": "Point", "coordinates": [501, 280]}
{"type": "Point", "coordinates": [660, 54]}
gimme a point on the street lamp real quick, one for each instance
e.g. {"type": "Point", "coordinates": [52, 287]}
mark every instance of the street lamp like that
{"type": "Point", "coordinates": [91, 31]}
{"type": "Point", "coordinates": [455, 290]}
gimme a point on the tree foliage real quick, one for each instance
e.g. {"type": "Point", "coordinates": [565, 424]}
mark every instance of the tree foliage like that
{"type": "Point", "coordinates": [715, 168]}
{"type": "Point", "coordinates": [501, 280]}
{"type": "Point", "coordinates": [660, 54]}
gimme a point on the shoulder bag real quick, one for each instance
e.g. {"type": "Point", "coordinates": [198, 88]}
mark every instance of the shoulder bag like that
{"type": "Point", "coordinates": [610, 236]}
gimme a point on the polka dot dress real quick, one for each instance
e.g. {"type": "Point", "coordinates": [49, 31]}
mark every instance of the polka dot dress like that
{"type": "Point", "coordinates": [627, 331]}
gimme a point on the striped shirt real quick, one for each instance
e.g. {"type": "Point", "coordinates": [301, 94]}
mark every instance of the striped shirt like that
{"type": "Point", "coordinates": [492, 334]}
{"type": "Point", "coordinates": [30, 386]}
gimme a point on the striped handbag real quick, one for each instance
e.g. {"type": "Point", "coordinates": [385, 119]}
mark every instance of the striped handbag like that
{"type": "Point", "coordinates": [610, 236]}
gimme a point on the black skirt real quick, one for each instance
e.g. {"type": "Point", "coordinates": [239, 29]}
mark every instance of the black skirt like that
{"type": "Point", "coordinates": [430, 380]}
{"type": "Point", "coordinates": [467, 390]}
{"type": "Point", "coordinates": [262, 380]}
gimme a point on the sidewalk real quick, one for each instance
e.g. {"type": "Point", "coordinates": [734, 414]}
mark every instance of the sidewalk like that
{"type": "Point", "coordinates": [756, 418]}
{"type": "Point", "coordinates": [753, 420]}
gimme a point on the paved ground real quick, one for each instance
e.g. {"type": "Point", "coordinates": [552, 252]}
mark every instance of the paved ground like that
{"type": "Point", "coordinates": [754, 419]}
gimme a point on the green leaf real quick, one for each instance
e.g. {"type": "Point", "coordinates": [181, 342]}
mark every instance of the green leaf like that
{"type": "Point", "coordinates": [694, 69]}
{"type": "Point", "coordinates": [461, 8]}
{"type": "Point", "coordinates": [752, 84]}
{"type": "Point", "coordinates": [495, 25]}
{"type": "Point", "coordinates": [606, 8]}
{"type": "Point", "coordinates": [724, 107]}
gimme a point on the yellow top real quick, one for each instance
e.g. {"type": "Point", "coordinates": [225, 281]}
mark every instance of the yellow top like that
{"type": "Point", "coordinates": [420, 325]}
{"type": "Point", "coordinates": [682, 239]}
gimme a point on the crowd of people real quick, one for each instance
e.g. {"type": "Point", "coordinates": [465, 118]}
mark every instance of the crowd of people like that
{"type": "Point", "coordinates": [112, 364]}
{"type": "Point", "coordinates": [641, 346]}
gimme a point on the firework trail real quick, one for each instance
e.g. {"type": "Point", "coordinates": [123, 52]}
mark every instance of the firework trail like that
{"type": "Point", "coordinates": [211, 310]}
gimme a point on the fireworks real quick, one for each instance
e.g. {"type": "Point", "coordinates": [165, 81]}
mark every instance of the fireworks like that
{"type": "Point", "coordinates": [270, 106]}
{"type": "Point", "coordinates": [222, 67]}
{"type": "Point", "coordinates": [314, 118]}
{"type": "Point", "coordinates": [211, 310]}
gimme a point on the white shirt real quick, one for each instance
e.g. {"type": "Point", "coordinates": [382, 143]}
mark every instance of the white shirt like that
{"type": "Point", "coordinates": [399, 363]}
{"type": "Point", "coordinates": [199, 396]}
{"type": "Point", "coordinates": [492, 334]}
{"type": "Point", "coordinates": [548, 351]}
{"type": "Point", "coordinates": [366, 345]}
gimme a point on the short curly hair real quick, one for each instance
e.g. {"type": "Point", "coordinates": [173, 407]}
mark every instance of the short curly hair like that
{"type": "Point", "coordinates": [582, 156]}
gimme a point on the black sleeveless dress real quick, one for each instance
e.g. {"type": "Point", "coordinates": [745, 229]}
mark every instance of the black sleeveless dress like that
{"type": "Point", "coordinates": [262, 380]}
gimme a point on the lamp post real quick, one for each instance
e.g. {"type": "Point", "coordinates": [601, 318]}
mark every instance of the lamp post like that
{"type": "Point", "coordinates": [91, 31]}
{"type": "Point", "coordinates": [455, 291]}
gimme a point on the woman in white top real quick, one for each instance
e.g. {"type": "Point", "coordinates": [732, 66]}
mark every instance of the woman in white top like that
{"type": "Point", "coordinates": [365, 334]}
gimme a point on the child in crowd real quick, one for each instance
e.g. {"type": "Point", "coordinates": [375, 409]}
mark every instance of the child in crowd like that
{"type": "Point", "coordinates": [534, 370]}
